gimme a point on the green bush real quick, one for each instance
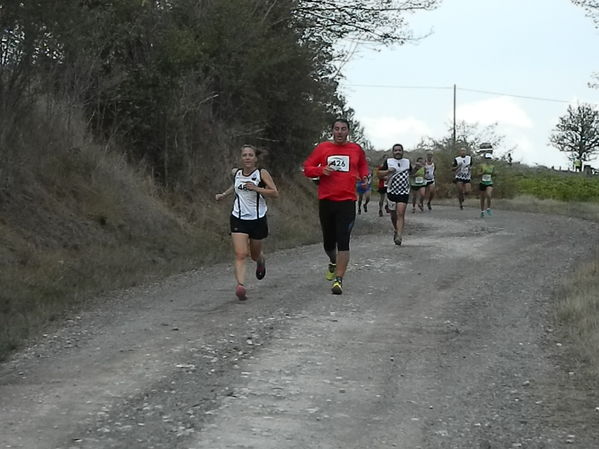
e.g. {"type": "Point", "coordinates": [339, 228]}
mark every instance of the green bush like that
{"type": "Point", "coordinates": [558, 186]}
{"type": "Point", "coordinates": [515, 180]}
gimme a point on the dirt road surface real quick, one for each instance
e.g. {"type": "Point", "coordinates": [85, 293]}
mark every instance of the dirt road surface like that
{"type": "Point", "coordinates": [444, 342]}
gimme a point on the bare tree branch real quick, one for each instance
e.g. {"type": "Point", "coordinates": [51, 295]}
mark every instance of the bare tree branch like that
{"type": "Point", "coordinates": [378, 21]}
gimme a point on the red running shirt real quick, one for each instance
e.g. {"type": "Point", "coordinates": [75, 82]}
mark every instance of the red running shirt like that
{"type": "Point", "coordinates": [349, 162]}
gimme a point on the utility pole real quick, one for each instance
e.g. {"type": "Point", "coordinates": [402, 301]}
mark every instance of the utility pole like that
{"type": "Point", "coordinates": [454, 102]}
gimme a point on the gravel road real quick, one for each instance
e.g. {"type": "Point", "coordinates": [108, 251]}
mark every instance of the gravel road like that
{"type": "Point", "coordinates": [444, 342]}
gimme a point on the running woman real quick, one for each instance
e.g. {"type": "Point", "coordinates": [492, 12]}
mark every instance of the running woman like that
{"type": "Point", "coordinates": [248, 222]}
{"type": "Point", "coordinates": [429, 176]}
{"type": "Point", "coordinates": [397, 170]}
{"type": "Point", "coordinates": [462, 167]}
{"type": "Point", "coordinates": [339, 164]}
{"type": "Point", "coordinates": [486, 172]}
{"type": "Point", "coordinates": [382, 189]}
{"type": "Point", "coordinates": [418, 185]}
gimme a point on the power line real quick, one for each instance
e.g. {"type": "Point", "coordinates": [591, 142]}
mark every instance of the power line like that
{"type": "Point", "coordinates": [394, 86]}
{"type": "Point", "coordinates": [465, 89]}
{"type": "Point", "coordinates": [526, 97]}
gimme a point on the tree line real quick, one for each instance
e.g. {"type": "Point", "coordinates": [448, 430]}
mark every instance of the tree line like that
{"type": "Point", "coordinates": [577, 131]}
{"type": "Point", "coordinates": [178, 85]}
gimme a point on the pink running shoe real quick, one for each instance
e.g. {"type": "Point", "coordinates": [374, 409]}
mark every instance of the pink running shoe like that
{"type": "Point", "coordinates": [240, 292]}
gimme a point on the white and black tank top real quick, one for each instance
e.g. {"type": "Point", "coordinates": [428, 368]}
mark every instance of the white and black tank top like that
{"type": "Point", "coordinates": [248, 205]}
{"type": "Point", "coordinates": [464, 165]}
{"type": "Point", "coordinates": [429, 171]}
{"type": "Point", "coordinates": [398, 182]}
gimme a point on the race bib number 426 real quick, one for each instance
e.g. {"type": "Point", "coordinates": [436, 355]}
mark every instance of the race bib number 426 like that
{"type": "Point", "coordinates": [338, 163]}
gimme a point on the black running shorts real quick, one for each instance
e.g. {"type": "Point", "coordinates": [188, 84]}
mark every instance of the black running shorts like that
{"type": "Point", "coordinates": [336, 220]}
{"type": "Point", "coordinates": [255, 229]}
{"type": "Point", "coordinates": [398, 198]}
{"type": "Point", "coordinates": [463, 181]}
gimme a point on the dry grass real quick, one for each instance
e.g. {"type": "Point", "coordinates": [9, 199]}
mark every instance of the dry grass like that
{"type": "Point", "coordinates": [577, 307]}
{"type": "Point", "coordinates": [84, 221]}
{"type": "Point", "coordinates": [578, 310]}
{"type": "Point", "coordinates": [293, 217]}
{"type": "Point", "coordinates": [526, 203]}
{"type": "Point", "coordinates": [76, 220]}
{"type": "Point", "coordinates": [585, 210]}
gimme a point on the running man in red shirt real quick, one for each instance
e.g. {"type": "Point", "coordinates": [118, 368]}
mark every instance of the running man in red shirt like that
{"type": "Point", "coordinates": [339, 164]}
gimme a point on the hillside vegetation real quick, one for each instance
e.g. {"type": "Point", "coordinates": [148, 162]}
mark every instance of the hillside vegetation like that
{"type": "Point", "coordinates": [79, 219]}
{"type": "Point", "coordinates": [119, 121]}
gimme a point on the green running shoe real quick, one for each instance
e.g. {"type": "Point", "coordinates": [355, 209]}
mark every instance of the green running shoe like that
{"type": "Point", "coordinates": [330, 274]}
{"type": "Point", "coordinates": [337, 289]}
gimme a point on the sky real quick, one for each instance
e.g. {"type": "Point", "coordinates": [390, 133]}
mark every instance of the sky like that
{"type": "Point", "coordinates": [495, 52]}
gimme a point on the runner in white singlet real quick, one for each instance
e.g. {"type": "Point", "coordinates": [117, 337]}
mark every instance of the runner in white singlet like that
{"type": "Point", "coordinates": [248, 223]}
{"type": "Point", "coordinates": [462, 167]}
{"type": "Point", "coordinates": [429, 176]}
{"type": "Point", "coordinates": [486, 171]}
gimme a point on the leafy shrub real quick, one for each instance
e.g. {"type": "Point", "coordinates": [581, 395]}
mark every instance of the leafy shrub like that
{"type": "Point", "coordinates": [558, 186]}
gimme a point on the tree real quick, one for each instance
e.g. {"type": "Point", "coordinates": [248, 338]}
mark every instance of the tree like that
{"type": "Point", "coordinates": [468, 136]}
{"type": "Point", "coordinates": [577, 132]}
{"type": "Point", "coordinates": [373, 21]}
{"type": "Point", "coordinates": [28, 43]}
{"type": "Point", "coordinates": [592, 9]}
{"type": "Point", "coordinates": [181, 84]}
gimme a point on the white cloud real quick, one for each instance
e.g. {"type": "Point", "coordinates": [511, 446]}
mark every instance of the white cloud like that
{"type": "Point", "coordinates": [501, 110]}
{"type": "Point", "coordinates": [529, 153]}
{"type": "Point", "coordinates": [384, 131]}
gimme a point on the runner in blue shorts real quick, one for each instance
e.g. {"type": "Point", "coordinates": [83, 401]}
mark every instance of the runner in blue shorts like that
{"type": "Point", "coordinates": [363, 190]}
{"type": "Point", "coordinates": [382, 190]}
